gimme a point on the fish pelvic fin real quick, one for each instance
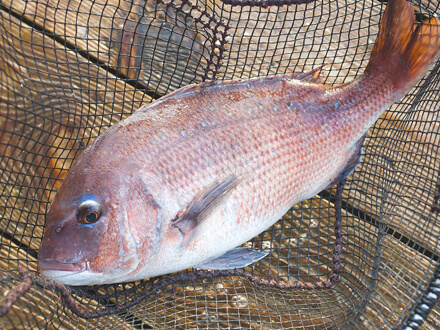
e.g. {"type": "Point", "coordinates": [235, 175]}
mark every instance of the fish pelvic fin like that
{"type": "Point", "coordinates": [402, 50]}
{"type": "Point", "coordinates": [236, 258]}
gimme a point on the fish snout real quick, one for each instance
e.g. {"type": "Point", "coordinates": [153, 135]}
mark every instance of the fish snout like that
{"type": "Point", "coordinates": [66, 245]}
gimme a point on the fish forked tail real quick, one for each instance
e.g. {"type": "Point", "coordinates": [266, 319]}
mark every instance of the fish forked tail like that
{"type": "Point", "coordinates": [403, 51]}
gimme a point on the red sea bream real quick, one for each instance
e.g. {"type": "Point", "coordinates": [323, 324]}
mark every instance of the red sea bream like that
{"type": "Point", "coordinates": [184, 181]}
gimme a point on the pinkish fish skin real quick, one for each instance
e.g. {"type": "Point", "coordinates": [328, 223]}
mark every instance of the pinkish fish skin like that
{"type": "Point", "coordinates": [208, 167]}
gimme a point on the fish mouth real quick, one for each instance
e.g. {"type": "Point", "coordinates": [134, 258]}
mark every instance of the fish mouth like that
{"type": "Point", "coordinates": [48, 265]}
{"type": "Point", "coordinates": [73, 273]}
{"type": "Point", "coordinates": [66, 273]}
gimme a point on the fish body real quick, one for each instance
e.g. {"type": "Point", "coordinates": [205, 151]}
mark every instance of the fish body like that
{"type": "Point", "coordinates": [190, 177]}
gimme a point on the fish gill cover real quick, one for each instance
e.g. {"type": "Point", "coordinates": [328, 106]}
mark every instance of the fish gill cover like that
{"type": "Point", "coordinates": [363, 254]}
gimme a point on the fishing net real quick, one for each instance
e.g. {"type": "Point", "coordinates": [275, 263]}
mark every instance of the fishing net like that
{"type": "Point", "coordinates": [362, 254]}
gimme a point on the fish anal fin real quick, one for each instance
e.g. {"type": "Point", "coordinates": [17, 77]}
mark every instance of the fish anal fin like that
{"type": "Point", "coordinates": [353, 161]}
{"type": "Point", "coordinates": [236, 258]}
{"type": "Point", "coordinates": [204, 203]}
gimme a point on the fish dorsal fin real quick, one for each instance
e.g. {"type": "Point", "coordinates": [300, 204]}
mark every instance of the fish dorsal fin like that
{"type": "Point", "coordinates": [204, 203]}
{"type": "Point", "coordinates": [354, 160]}
{"type": "Point", "coordinates": [311, 76]}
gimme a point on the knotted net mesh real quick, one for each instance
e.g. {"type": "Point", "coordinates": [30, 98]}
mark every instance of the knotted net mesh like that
{"type": "Point", "coordinates": [363, 254]}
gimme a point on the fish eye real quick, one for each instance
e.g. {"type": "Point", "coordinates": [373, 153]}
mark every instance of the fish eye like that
{"type": "Point", "coordinates": [88, 212]}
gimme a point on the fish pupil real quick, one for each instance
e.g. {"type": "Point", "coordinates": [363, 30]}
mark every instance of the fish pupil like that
{"type": "Point", "coordinates": [91, 217]}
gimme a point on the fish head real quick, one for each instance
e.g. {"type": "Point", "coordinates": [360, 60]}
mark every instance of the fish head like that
{"type": "Point", "coordinates": [97, 223]}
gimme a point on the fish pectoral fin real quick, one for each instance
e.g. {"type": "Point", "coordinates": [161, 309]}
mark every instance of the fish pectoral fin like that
{"type": "Point", "coordinates": [236, 258]}
{"type": "Point", "coordinates": [204, 203]}
{"type": "Point", "coordinates": [354, 160]}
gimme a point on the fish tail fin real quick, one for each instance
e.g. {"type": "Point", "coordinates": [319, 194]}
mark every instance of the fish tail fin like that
{"type": "Point", "coordinates": [403, 51]}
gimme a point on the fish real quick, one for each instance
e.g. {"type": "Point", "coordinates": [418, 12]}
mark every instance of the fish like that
{"type": "Point", "coordinates": [185, 181]}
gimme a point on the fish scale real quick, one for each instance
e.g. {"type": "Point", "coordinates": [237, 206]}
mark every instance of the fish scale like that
{"type": "Point", "coordinates": [179, 173]}
{"type": "Point", "coordinates": [184, 181]}
{"type": "Point", "coordinates": [284, 163]}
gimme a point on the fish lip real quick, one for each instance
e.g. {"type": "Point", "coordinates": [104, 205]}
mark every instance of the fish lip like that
{"type": "Point", "coordinates": [53, 265]}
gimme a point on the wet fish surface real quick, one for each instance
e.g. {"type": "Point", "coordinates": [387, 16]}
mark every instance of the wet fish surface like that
{"type": "Point", "coordinates": [184, 181]}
